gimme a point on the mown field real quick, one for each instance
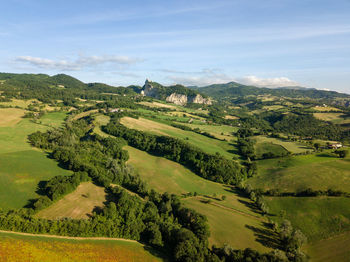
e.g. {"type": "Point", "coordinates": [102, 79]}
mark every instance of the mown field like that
{"type": "Point", "coordinates": [99, 121]}
{"type": "Point", "coordinates": [289, 174]}
{"type": "Point", "coordinates": [207, 144]}
{"type": "Point", "coordinates": [331, 249]}
{"type": "Point", "coordinates": [336, 118]}
{"type": "Point", "coordinates": [293, 147]}
{"type": "Point", "coordinates": [158, 105]}
{"type": "Point", "coordinates": [219, 131]}
{"type": "Point", "coordinates": [22, 167]}
{"type": "Point", "coordinates": [53, 119]}
{"type": "Point", "coordinates": [20, 103]}
{"type": "Point", "coordinates": [229, 226]}
{"type": "Point", "coordinates": [325, 108]}
{"type": "Point", "coordinates": [268, 147]}
{"type": "Point", "coordinates": [317, 217]}
{"type": "Point", "coordinates": [79, 204]}
{"type": "Point", "coordinates": [10, 116]}
{"type": "Point", "coordinates": [227, 218]}
{"type": "Point", "coordinates": [16, 247]}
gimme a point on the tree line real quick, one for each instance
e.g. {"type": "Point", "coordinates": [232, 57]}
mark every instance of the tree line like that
{"type": "Point", "coordinates": [213, 167]}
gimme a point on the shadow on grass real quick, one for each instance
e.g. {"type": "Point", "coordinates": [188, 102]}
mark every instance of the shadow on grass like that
{"type": "Point", "coordinates": [212, 197]}
{"type": "Point", "coordinates": [156, 253]}
{"type": "Point", "coordinates": [235, 190]}
{"type": "Point", "coordinates": [325, 155]}
{"type": "Point", "coordinates": [266, 236]}
{"type": "Point", "coordinates": [251, 206]}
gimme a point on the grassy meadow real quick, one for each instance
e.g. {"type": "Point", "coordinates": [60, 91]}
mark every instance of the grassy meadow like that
{"type": "Point", "coordinates": [289, 174]}
{"type": "Point", "coordinates": [219, 131]}
{"type": "Point", "coordinates": [227, 218]}
{"type": "Point", "coordinates": [78, 204]}
{"type": "Point", "coordinates": [317, 217]}
{"type": "Point", "coordinates": [10, 116]}
{"type": "Point", "coordinates": [268, 147]}
{"type": "Point", "coordinates": [336, 118]}
{"type": "Point", "coordinates": [22, 166]}
{"type": "Point", "coordinates": [331, 249]}
{"type": "Point", "coordinates": [293, 147]}
{"type": "Point", "coordinates": [99, 121]}
{"type": "Point", "coordinates": [207, 144]}
{"type": "Point", "coordinates": [230, 227]}
{"type": "Point", "coordinates": [18, 247]}
{"type": "Point", "coordinates": [20, 103]}
{"type": "Point", "coordinates": [158, 105]}
{"type": "Point", "coordinates": [53, 119]}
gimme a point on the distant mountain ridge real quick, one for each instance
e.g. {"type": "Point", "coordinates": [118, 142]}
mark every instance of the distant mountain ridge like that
{"type": "Point", "coordinates": [177, 94]}
{"type": "Point", "coordinates": [234, 89]}
{"type": "Point", "coordinates": [59, 81]}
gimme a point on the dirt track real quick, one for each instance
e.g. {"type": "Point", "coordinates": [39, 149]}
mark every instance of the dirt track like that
{"type": "Point", "coordinates": [69, 238]}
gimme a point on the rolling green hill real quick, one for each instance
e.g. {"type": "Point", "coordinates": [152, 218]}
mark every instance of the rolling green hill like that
{"type": "Point", "coordinates": [233, 89]}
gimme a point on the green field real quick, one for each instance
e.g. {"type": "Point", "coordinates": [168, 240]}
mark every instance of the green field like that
{"type": "Point", "coordinates": [219, 131]}
{"type": "Point", "coordinates": [230, 227]}
{"type": "Point", "coordinates": [333, 249]}
{"type": "Point", "coordinates": [268, 147]}
{"type": "Point", "coordinates": [227, 218]}
{"type": "Point", "coordinates": [22, 167]}
{"type": "Point", "coordinates": [79, 204]}
{"type": "Point", "coordinates": [19, 103]}
{"type": "Point", "coordinates": [336, 118]}
{"type": "Point", "coordinates": [317, 171]}
{"type": "Point", "coordinates": [178, 116]}
{"type": "Point", "coordinates": [293, 147]}
{"type": "Point", "coordinates": [19, 247]}
{"type": "Point", "coordinates": [53, 119]}
{"type": "Point", "coordinates": [207, 144]}
{"type": "Point", "coordinates": [98, 122]}
{"type": "Point", "coordinates": [317, 217]}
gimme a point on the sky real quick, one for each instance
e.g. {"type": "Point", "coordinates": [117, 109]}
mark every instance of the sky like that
{"type": "Point", "coordinates": [264, 43]}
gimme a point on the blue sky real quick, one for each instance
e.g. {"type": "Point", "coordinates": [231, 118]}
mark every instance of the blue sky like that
{"type": "Point", "coordinates": [266, 43]}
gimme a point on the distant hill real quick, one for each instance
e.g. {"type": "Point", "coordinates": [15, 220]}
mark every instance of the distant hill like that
{"type": "Point", "coordinates": [233, 89]}
{"type": "Point", "coordinates": [60, 81]}
{"type": "Point", "coordinates": [296, 88]}
{"type": "Point", "coordinates": [177, 94]}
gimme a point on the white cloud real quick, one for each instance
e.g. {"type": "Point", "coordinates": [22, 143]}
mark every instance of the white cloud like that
{"type": "Point", "coordinates": [77, 64]}
{"type": "Point", "coordinates": [267, 82]}
{"type": "Point", "coordinates": [215, 76]}
{"type": "Point", "coordinates": [202, 78]}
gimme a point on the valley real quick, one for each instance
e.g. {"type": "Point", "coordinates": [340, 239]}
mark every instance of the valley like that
{"type": "Point", "coordinates": [104, 165]}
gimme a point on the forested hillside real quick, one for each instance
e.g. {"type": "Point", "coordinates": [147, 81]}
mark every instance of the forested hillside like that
{"type": "Point", "coordinates": [192, 182]}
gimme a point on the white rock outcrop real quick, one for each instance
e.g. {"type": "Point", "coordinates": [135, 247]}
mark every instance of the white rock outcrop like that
{"type": "Point", "coordinates": [178, 99]}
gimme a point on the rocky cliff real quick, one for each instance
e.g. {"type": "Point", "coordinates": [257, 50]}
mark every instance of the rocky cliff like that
{"type": "Point", "coordinates": [177, 94]}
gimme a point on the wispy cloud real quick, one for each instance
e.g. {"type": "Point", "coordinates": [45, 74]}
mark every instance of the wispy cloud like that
{"type": "Point", "coordinates": [77, 64]}
{"type": "Point", "coordinates": [127, 74]}
{"type": "Point", "coordinates": [215, 76]}
{"type": "Point", "coordinates": [267, 82]}
{"type": "Point", "coordinates": [202, 78]}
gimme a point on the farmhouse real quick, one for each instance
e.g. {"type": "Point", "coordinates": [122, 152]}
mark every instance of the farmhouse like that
{"type": "Point", "coordinates": [115, 110]}
{"type": "Point", "coordinates": [335, 145]}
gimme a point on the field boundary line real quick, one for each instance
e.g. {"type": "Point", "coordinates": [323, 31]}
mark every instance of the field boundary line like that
{"type": "Point", "coordinates": [234, 210]}
{"type": "Point", "coordinates": [69, 238]}
{"type": "Point", "coordinates": [237, 211]}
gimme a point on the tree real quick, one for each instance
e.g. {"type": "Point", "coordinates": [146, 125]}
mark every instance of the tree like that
{"type": "Point", "coordinates": [286, 229]}
{"type": "Point", "coordinates": [317, 146]}
{"type": "Point", "coordinates": [341, 153]}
